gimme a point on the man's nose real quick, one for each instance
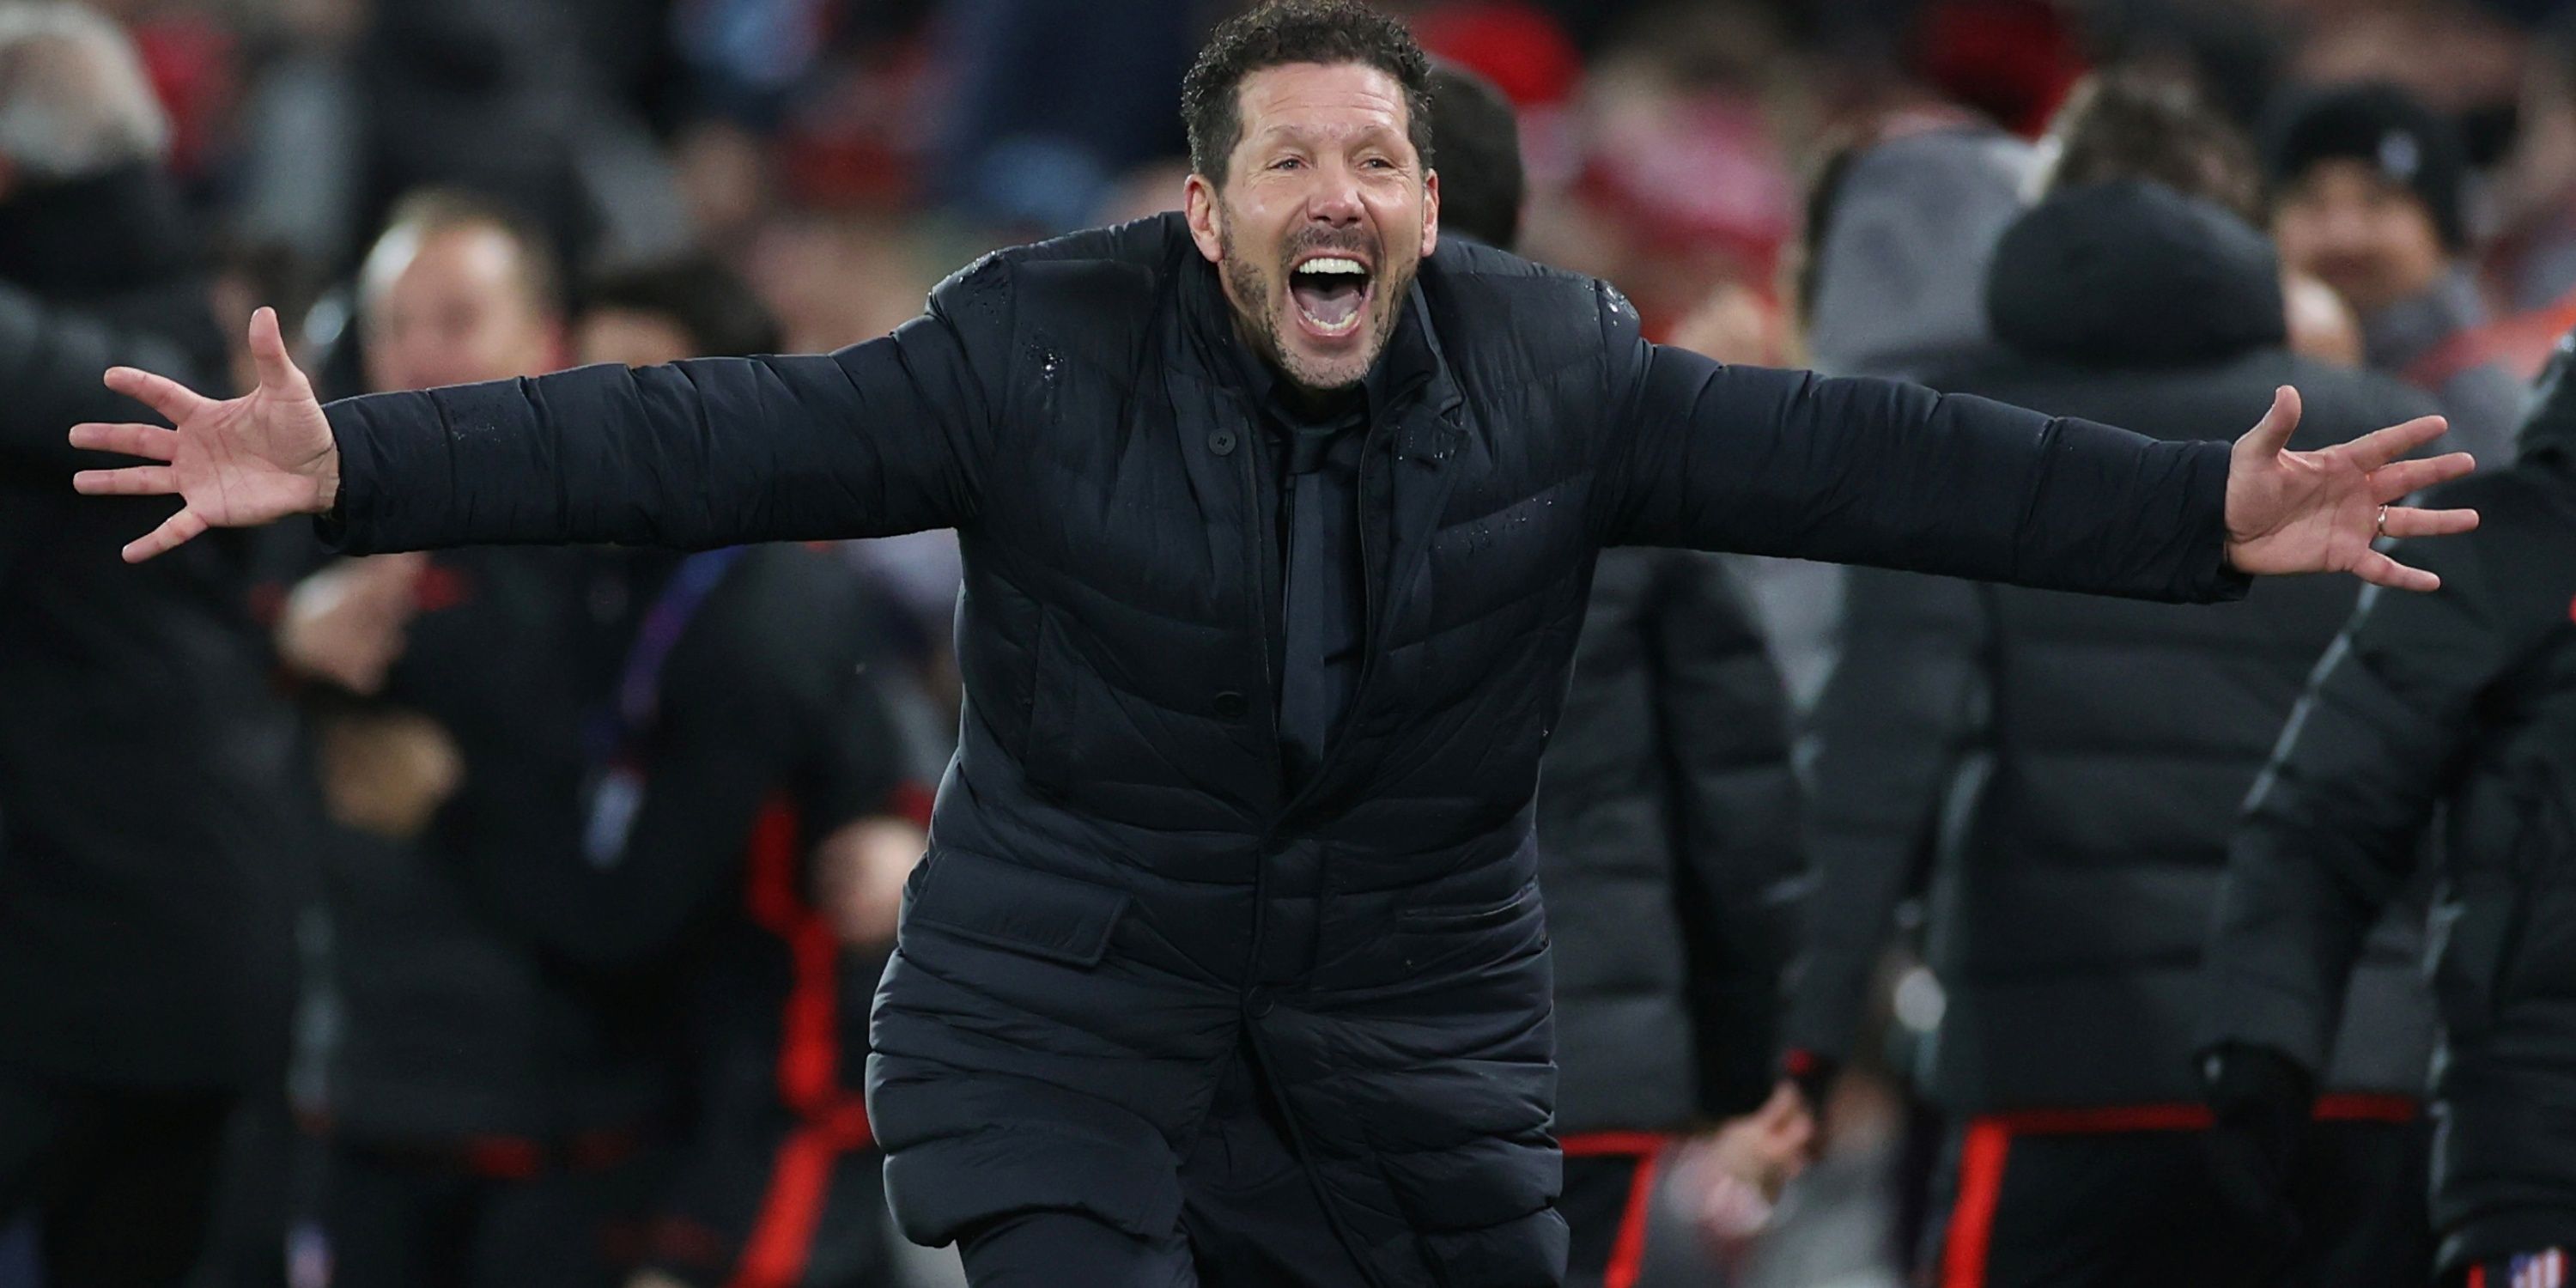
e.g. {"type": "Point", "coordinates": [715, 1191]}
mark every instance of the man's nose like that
{"type": "Point", "coordinates": [1336, 199]}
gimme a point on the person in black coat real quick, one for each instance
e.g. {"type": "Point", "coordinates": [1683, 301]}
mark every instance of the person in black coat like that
{"type": "Point", "coordinates": [151, 841]}
{"type": "Point", "coordinates": [2450, 718]}
{"type": "Point", "coordinates": [1667, 831]}
{"type": "Point", "coordinates": [2060, 764]}
{"type": "Point", "coordinates": [1227, 962]}
{"type": "Point", "coordinates": [777, 943]}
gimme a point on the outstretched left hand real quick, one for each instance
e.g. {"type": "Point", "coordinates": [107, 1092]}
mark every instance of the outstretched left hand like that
{"type": "Point", "coordinates": [2293, 512]}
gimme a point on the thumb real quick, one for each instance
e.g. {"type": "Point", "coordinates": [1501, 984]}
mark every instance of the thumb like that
{"type": "Point", "coordinates": [277, 372]}
{"type": "Point", "coordinates": [2272, 434]}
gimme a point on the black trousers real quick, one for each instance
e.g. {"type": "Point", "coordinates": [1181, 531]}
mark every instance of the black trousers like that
{"type": "Point", "coordinates": [120, 1182]}
{"type": "Point", "coordinates": [406, 1220]}
{"type": "Point", "coordinates": [2031, 1204]}
{"type": "Point", "coordinates": [1249, 1219]}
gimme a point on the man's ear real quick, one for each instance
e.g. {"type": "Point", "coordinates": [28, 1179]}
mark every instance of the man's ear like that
{"type": "Point", "coordinates": [1206, 216]}
{"type": "Point", "coordinates": [1430, 213]}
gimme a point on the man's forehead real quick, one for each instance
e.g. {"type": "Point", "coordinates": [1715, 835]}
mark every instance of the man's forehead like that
{"type": "Point", "coordinates": [1318, 98]}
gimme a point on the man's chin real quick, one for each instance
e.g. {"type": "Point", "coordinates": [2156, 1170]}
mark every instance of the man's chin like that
{"type": "Point", "coordinates": [1329, 366]}
{"type": "Point", "coordinates": [1321, 374]}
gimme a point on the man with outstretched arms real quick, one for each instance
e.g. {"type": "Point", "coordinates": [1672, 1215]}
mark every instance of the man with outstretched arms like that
{"type": "Point", "coordinates": [1226, 965]}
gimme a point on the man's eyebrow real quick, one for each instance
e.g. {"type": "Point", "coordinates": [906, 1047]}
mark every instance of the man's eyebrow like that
{"type": "Point", "coordinates": [1375, 132]}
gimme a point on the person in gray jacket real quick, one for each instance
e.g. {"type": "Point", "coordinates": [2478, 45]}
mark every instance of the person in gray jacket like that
{"type": "Point", "coordinates": [1888, 283]}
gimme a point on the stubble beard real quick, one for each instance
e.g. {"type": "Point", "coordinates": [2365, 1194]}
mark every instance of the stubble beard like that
{"type": "Point", "coordinates": [1259, 316]}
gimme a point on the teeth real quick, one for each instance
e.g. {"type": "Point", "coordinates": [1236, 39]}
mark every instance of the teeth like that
{"type": "Point", "coordinates": [1342, 327]}
{"type": "Point", "coordinates": [1331, 264]}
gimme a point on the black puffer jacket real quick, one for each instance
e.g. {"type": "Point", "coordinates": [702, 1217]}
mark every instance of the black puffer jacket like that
{"type": "Point", "coordinates": [2459, 706]}
{"type": "Point", "coordinates": [2071, 767]}
{"type": "Point", "coordinates": [1121, 893]}
{"type": "Point", "coordinates": [153, 847]}
{"type": "Point", "coordinates": [1668, 851]}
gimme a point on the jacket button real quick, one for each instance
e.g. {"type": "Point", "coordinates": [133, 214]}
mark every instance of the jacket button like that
{"type": "Point", "coordinates": [1260, 1002]}
{"type": "Point", "coordinates": [1230, 705]}
{"type": "Point", "coordinates": [1221, 442]}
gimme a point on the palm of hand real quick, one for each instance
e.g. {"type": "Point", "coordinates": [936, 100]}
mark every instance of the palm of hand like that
{"type": "Point", "coordinates": [2321, 516]}
{"type": "Point", "coordinates": [2296, 512]}
{"type": "Point", "coordinates": [252, 459]}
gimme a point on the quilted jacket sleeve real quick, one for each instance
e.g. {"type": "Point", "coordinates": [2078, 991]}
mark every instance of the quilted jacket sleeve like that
{"type": "Point", "coordinates": [884, 437]}
{"type": "Point", "coordinates": [1879, 472]}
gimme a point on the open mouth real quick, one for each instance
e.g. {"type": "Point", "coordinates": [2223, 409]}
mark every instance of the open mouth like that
{"type": "Point", "coordinates": [1331, 293]}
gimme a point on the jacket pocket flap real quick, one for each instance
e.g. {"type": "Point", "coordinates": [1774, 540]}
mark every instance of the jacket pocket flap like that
{"type": "Point", "coordinates": [1009, 905]}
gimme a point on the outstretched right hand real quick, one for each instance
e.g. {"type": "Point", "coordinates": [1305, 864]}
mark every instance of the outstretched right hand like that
{"type": "Point", "coordinates": [234, 463]}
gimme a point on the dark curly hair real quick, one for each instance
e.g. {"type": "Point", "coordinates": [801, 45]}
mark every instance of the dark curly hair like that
{"type": "Point", "coordinates": [1296, 31]}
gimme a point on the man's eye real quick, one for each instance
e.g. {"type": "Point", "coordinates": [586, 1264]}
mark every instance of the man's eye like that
{"type": "Point", "coordinates": [1286, 163]}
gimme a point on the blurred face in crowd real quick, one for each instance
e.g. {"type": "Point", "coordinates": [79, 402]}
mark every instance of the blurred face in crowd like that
{"type": "Point", "coordinates": [453, 306]}
{"type": "Point", "coordinates": [631, 337]}
{"type": "Point", "coordinates": [1323, 214]}
{"type": "Point", "coordinates": [2367, 236]}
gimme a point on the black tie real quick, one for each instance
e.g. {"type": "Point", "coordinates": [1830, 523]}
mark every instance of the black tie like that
{"type": "Point", "coordinates": [1308, 702]}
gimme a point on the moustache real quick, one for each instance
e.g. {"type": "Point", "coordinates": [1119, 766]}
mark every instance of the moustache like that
{"type": "Point", "coordinates": [1357, 245]}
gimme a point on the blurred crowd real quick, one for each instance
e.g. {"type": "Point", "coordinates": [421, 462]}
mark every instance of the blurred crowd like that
{"type": "Point", "coordinates": [548, 1021]}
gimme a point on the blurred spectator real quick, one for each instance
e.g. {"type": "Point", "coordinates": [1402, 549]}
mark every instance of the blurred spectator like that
{"type": "Point", "coordinates": [2142, 125]}
{"type": "Point", "coordinates": [835, 279]}
{"type": "Point", "coordinates": [487, 1111]}
{"type": "Point", "coordinates": [1667, 837]}
{"type": "Point", "coordinates": [2015, 60]}
{"type": "Point", "coordinates": [641, 844]}
{"type": "Point", "coordinates": [2530, 265]}
{"type": "Point", "coordinates": [152, 846]}
{"type": "Point", "coordinates": [1898, 236]}
{"type": "Point", "coordinates": [693, 306]}
{"type": "Point", "coordinates": [2459, 58]}
{"type": "Point", "coordinates": [1052, 104]}
{"type": "Point", "coordinates": [2367, 195]}
{"type": "Point", "coordinates": [662, 312]}
{"type": "Point", "coordinates": [1686, 177]}
{"type": "Point", "coordinates": [1477, 138]}
{"type": "Point", "coordinates": [2049, 760]}
{"type": "Point", "coordinates": [370, 101]}
{"type": "Point", "coordinates": [2138, 125]}
{"type": "Point", "coordinates": [455, 291]}
{"type": "Point", "coordinates": [2532, 262]}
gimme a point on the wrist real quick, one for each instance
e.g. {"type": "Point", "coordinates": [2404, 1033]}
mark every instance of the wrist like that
{"type": "Point", "coordinates": [326, 483]}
